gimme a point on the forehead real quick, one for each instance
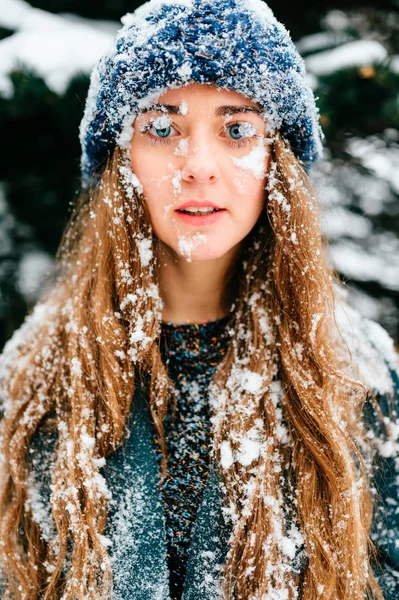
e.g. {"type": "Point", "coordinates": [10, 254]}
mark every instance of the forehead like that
{"type": "Point", "coordinates": [197, 94]}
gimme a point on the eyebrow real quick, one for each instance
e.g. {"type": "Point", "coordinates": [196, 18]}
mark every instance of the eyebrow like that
{"type": "Point", "coordinates": [221, 111]}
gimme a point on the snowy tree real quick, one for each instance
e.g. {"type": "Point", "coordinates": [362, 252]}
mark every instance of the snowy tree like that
{"type": "Point", "coordinates": [353, 63]}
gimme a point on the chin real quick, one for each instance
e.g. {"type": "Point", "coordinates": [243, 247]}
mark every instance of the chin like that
{"type": "Point", "coordinates": [194, 247]}
{"type": "Point", "coordinates": [207, 253]}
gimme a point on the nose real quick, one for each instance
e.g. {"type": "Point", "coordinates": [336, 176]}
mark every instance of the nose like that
{"type": "Point", "coordinates": [201, 163]}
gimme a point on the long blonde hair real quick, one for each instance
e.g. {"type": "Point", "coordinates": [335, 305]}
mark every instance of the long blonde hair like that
{"type": "Point", "coordinates": [282, 384]}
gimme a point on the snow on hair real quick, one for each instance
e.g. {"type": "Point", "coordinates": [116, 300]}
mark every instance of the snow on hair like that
{"type": "Point", "coordinates": [275, 398]}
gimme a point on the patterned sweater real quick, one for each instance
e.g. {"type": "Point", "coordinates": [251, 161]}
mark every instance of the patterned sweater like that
{"type": "Point", "coordinates": [191, 353]}
{"type": "Point", "coordinates": [149, 529]}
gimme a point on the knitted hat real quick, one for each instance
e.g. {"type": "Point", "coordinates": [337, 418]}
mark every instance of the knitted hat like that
{"type": "Point", "coordinates": [236, 44]}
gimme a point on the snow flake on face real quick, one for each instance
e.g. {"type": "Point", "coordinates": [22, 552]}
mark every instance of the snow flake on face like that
{"type": "Point", "coordinates": [176, 182]}
{"type": "Point", "coordinates": [188, 243]}
{"type": "Point", "coordinates": [255, 161]}
{"type": "Point", "coordinates": [239, 185]}
{"type": "Point", "coordinates": [182, 147]}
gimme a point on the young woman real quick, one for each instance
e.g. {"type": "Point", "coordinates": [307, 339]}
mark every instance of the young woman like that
{"type": "Point", "coordinates": [190, 412]}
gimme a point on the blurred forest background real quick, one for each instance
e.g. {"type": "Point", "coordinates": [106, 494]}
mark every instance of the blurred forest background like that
{"type": "Point", "coordinates": [47, 49]}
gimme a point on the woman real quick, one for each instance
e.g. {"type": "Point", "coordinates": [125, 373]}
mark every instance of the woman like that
{"type": "Point", "coordinates": [188, 413]}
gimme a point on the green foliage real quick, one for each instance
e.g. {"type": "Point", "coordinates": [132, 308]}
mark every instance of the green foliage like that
{"type": "Point", "coordinates": [40, 171]}
{"type": "Point", "coordinates": [358, 102]}
{"type": "Point", "coordinates": [41, 167]}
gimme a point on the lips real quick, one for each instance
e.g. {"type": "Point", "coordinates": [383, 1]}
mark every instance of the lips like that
{"type": "Point", "coordinates": [194, 207]}
{"type": "Point", "coordinates": [199, 213]}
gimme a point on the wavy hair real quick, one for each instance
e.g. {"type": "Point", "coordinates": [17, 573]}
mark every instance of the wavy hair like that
{"type": "Point", "coordinates": [283, 385]}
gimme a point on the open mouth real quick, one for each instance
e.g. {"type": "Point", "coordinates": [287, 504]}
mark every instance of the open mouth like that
{"type": "Point", "coordinates": [199, 212]}
{"type": "Point", "coordinates": [197, 216]}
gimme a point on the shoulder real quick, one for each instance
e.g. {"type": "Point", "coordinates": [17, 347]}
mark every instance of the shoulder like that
{"type": "Point", "coordinates": [370, 351]}
{"type": "Point", "coordinates": [374, 361]}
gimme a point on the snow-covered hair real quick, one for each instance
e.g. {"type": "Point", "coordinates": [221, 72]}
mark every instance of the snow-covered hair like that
{"type": "Point", "coordinates": [236, 44]}
{"type": "Point", "coordinates": [290, 448]}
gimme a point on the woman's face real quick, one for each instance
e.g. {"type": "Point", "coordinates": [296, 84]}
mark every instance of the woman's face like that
{"type": "Point", "coordinates": [202, 157]}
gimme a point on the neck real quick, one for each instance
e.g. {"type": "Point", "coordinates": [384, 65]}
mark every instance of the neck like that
{"type": "Point", "coordinates": [193, 292]}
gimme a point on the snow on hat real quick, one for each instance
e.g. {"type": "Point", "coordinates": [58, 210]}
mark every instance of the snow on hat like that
{"type": "Point", "coordinates": [236, 44]}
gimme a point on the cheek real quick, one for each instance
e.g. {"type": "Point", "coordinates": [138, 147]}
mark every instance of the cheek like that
{"type": "Point", "coordinates": [160, 181]}
{"type": "Point", "coordinates": [248, 172]}
{"type": "Point", "coordinates": [249, 194]}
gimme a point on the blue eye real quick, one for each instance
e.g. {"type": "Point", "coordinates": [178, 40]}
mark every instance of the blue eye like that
{"type": "Point", "coordinates": [159, 132]}
{"type": "Point", "coordinates": [164, 132]}
{"type": "Point", "coordinates": [241, 133]}
{"type": "Point", "coordinates": [235, 131]}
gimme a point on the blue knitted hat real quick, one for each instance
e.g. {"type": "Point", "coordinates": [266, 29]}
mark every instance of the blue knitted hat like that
{"type": "Point", "coordinates": [235, 44]}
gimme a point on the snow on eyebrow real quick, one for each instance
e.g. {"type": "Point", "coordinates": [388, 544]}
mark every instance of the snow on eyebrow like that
{"type": "Point", "coordinates": [188, 243]}
{"type": "Point", "coordinates": [255, 161]}
{"type": "Point", "coordinates": [183, 108]}
{"type": "Point", "coordinates": [162, 122]}
{"type": "Point", "coordinates": [124, 139]}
